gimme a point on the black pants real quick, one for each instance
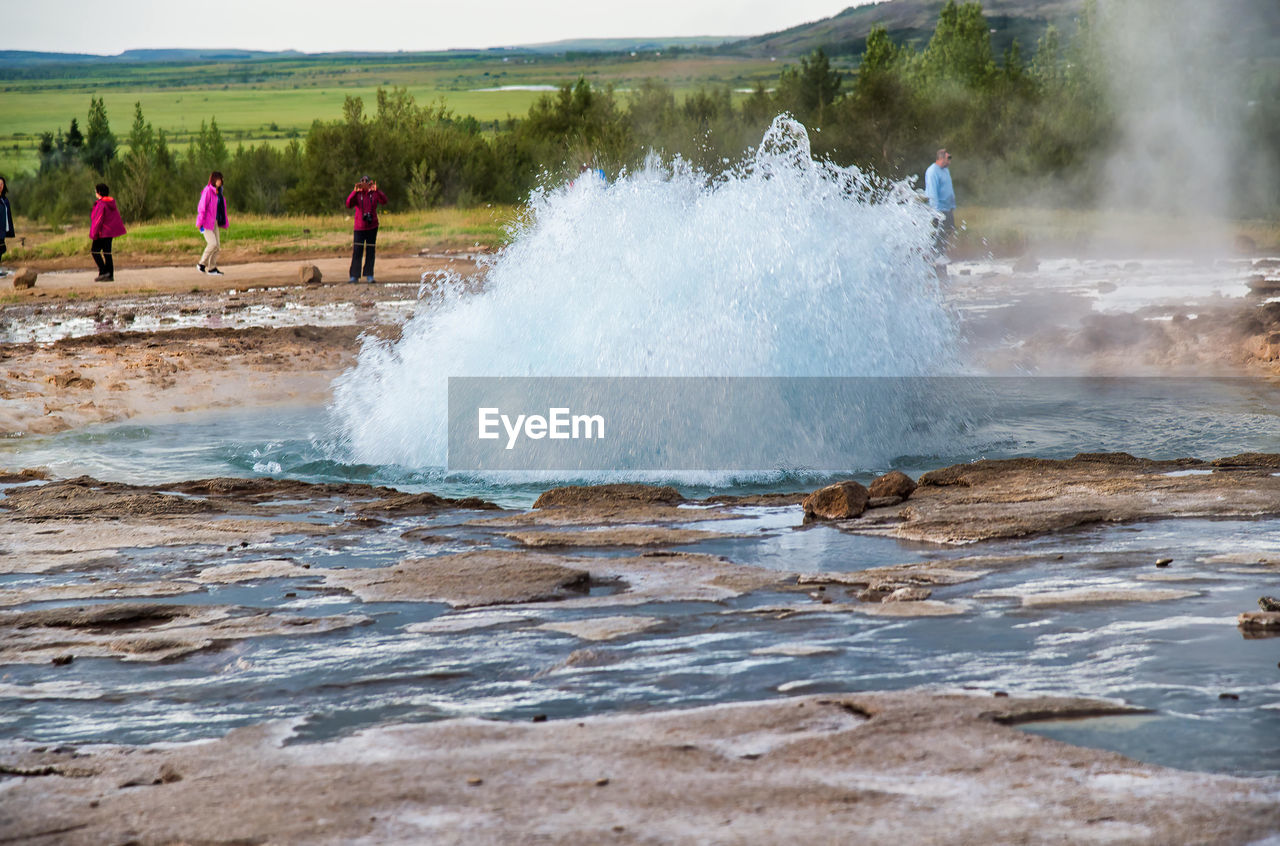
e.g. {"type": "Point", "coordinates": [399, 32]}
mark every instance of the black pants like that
{"type": "Point", "coordinates": [102, 256]}
{"type": "Point", "coordinates": [365, 240]}
{"type": "Point", "coordinates": [944, 233]}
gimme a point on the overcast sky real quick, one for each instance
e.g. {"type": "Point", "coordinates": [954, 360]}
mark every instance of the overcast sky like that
{"type": "Point", "coordinates": [92, 26]}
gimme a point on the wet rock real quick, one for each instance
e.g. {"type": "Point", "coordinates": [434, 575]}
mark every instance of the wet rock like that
{"type": "Point", "coordinates": [87, 497]}
{"type": "Point", "coordinates": [1088, 596]}
{"type": "Point", "coordinates": [431, 536]}
{"type": "Point", "coordinates": [893, 483]}
{"type": "Point", "coordinates": [772, 500]}
{"type": "Point", "coordinates": [616, 494]}
{"type": "Point", "coordinates": [413, 505]}
{"type": "Point", "coordinates": [796, 650]}
{"type": "Point", "coordinates": [1249, 461]}
{"type": "Point", "coordinates": [884, 501]}
{"type": "Point", "coordinates": [309, 274]}
{"type": "Point", "coordinates": [91, 590]}
{"type": "Point", "coordinates": [28, 474]}
{"type": "Point", "coordinates": [841, 501]}
{"type": "Point", "coordinates": [1269, 603]}
{"type": "Point", "coordinates": [451, 623]}
{"type": "Point", "coordinates": [1267, 622]}
{"type": "Point", "coordinates": [890, 578]}
{"type": "Point", "coordinates": [877, 752]}
{"type": "Point", "coordinates": [908, 594]}
{"type": "Point", "coordinates": [24, 278]}
{"type": "Point", "coordinates": [1163, 562]}
{"type": "Point", "coordinates": [62, 660]}
{"type": "Point", "coordinates": [244, 571]}
{"type": "Point", "coordinates": [602, 538]}
{"type": "Point", "coordinates": [467, 579]}
{"type": "Point", "coordinates": [1019, 497]}
{"type": "Point", "coordinates": [1026, 264]}
{"type": "Point", "coordinates": [143, 631]}
{"type": "Point", "coordinates": [602, 628]}
{"type": "Point", "coordinates": [598, 515]}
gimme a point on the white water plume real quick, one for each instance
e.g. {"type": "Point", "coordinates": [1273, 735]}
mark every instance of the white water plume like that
{"type": "Point", "coordinates": [784, 266]}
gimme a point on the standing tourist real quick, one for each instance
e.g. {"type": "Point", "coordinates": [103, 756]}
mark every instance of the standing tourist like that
{"type": "Point", "coordinates": [211, 215]}
{"type": "Point", "coordinates": [365, 199]}
{"type": "Point", "coordinates": [104, 224]}
{"type": "Point", "coordinates": [942, 198]}
{"type": "Point", "coordinates": [6, 217]}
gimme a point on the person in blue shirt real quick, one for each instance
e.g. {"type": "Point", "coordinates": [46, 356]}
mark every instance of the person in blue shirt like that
{"type": "Point", "coordinates": [942, 197]}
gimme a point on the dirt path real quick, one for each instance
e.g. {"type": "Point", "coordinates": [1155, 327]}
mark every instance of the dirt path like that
{"type": "Point", "coordinates": [238, 276]}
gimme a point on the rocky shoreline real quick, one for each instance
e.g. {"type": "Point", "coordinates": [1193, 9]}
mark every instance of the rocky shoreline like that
{"type": "Point", "coordinates": [145, 576]}
{"type": "Point", "coordinates": [911, 766]}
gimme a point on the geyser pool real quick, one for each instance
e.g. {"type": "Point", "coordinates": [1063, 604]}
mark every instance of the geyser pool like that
{"type": "Point", "coordinates": [783, 266]}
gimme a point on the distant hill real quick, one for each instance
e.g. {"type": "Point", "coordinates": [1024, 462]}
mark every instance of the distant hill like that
{"type": "Point", "coordinates": [843, 34]}
{"type": "Point", "coordinates": [624, 45]}
{"type": "Point", "coordinates": [1253, 25]}
{"type": "Point", "coordinates": [28, 58]}
{"type": "Point", "coordinates": [906, 21]}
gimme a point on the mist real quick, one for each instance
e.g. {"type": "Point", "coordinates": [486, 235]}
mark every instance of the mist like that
{"type": "Point", "coordinates": [1179, 95]}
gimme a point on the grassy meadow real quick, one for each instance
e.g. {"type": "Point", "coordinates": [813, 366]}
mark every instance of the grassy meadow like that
{"type": "Point", "coordinates": [275, 100]}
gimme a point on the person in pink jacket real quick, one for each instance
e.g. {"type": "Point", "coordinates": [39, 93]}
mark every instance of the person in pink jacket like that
{"type": "Point", "coordinates": [211, 215]}
{"type": "Point", "coordinates": [104, 224]}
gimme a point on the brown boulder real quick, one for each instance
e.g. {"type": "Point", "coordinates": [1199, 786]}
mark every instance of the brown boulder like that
{"type": "Point", "coordinates": [309, 274]}
{"type": "Point", "coordinates": [24, 277]}
{"type": "Point", "coordinates": [841, 501]}
{"type": "Point", "coordinates": [893, 483]}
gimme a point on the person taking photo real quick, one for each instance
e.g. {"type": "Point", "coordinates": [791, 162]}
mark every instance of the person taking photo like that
{"type": "Point", "coordinates": [364, 199]}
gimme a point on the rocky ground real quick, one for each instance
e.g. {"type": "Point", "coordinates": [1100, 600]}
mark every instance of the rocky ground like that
{"type": "Point", "coordinates": [915, 766]}
{"type": "Point", "coordinates": [874, 768]}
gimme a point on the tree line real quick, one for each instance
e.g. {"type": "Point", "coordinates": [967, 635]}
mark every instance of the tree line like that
{"type": "Point", "coordinates": [1034, 128]}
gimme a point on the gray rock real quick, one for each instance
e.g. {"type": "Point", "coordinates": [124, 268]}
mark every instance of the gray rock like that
{"type": "Point", "coordinates": [908, 594]}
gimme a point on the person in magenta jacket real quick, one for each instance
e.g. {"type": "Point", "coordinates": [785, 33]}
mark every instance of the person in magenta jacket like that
{"type": "Point", "coordinates": [211, 215]}
{"type": "Point", "coordinates": [365, 199]}
{"type": "Point", "coordinates": [104, 224]}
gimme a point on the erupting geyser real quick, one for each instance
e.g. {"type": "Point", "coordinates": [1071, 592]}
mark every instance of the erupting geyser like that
{"type": "Point", "coordinates": [783, 266]}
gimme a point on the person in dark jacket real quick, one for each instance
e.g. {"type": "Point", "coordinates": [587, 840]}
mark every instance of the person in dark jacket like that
{"type": "Point", "coordinates": [365, 199]}
{"type": "Point", "coordinates": [6, 216]}
{"type": "Point", "coordinates": [104, 224]}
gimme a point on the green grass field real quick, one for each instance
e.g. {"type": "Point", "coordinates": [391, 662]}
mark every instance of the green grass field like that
{"type": "Point", "coordinates": [278, 99]}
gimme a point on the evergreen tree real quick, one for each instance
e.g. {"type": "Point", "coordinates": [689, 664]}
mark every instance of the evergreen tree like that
{"type": "Point", "coordinates": [135, 193]}
{"type": "Point", "coordinates": [100, 144]}
{"type": "Point", "coordinates": [74, 139]}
